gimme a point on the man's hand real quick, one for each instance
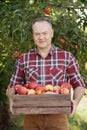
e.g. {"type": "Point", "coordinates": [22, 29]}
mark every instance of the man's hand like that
{"type": "Point", "coordinates": [73, 107]}
{"type": "Point", "coordinates": [10, 92]}
{"type": "Point", "coordinates": [78, 94]}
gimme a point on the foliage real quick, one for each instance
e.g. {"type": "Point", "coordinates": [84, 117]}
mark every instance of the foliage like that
{"type": "Point", "coordinates": [16, 33]}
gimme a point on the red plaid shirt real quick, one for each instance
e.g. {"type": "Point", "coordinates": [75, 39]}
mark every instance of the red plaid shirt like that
{"type": "Point", "coordinates": [59, 66]}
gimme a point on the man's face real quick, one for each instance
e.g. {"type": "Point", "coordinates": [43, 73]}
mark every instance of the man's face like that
{"type": "Point", "coordinates": [42, 34]}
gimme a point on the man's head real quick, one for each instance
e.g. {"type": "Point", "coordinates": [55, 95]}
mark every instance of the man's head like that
{"type": "Point", "coordinates": [42, 32]}
{"type": "Point", "coordinates": [42, 19]}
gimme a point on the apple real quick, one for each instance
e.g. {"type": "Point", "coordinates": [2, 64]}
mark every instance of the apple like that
{"type": "Point", "coordinates": [76, 47]}
{"type": "Point", "coordinates": [56, 89]}
{"type": "Point", "coordinates": [17, 87]}
{"type": "Point", "coordinates": [64, 91]}
{"type": "Point", "coordinates": [66, 85]}
{"type": "Point", "coordinates": [32, 85]}
{"type": "Point", "coordinates": [47, 11]}
{"type": "Point", "coordinates": [63, 42]}
{"type": "Point", "coordinates": [22, 91]}
{"type": "Point", "coordinates": [49, 87]}
{"type": "Point", "coordinates": [16, 54]}
{"type": "Point", "coordinates": [40, 89]}
{"type": "Point", "coordinates": [31, 91]}
{"type": "Point", "coordinates": [26, 85]}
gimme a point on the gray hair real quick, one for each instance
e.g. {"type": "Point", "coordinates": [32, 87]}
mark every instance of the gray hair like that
{"type": "Point", "coordinates": [41, 19]}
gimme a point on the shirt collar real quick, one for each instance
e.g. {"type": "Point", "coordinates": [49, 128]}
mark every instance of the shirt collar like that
{"type": "Point", "coordinates": [51, 51]}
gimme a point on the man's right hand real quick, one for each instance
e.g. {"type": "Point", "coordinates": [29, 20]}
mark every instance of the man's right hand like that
{"type": "Point", "coordinates": [10, 92]}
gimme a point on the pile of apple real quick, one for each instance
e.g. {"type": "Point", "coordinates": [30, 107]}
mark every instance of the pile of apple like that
{"type": "Point", "coordinates": [34, 88]}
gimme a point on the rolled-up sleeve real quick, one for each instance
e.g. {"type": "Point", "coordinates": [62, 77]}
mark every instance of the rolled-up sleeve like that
{"type": "Point", "coordinates": [18, 76]}
{"type": "Point", "coordinates": [74, 74]}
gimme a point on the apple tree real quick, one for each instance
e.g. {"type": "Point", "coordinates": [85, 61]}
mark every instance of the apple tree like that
{"type": "Point", "coordinates": [70, 26]}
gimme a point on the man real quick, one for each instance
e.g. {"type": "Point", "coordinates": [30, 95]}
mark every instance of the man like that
{"type": "Point", "coordinates": [47, 64]}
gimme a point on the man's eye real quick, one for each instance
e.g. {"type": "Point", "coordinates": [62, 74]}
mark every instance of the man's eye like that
{"type": "Point", "coordinates": [37, 34]}
{"type": "Point", "coordinates": [44, 33]}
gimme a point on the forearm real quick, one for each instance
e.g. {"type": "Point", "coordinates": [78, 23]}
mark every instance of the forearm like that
{"type": "Point", "coordinates": [10, 92]}
{"type": "Point", "coordinates": [78, 93]}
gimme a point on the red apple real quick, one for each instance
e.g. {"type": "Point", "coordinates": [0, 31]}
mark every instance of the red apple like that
{"type": "Point", "coordinates": [40, 89]}
{"type": "Point", "coordinates": [63, 42]}
{"type": "Point", "coordinates": [26, 85]}
{"type": "Point", "coordinates": [47, 11]}
{"type": "Point", "coordinates": [16, 54]}
{"type": "Point", "coordinates": [49, 87]}
{"type": "Point", "coordinates": [64, 91]}
{"type": "Point", "coordinates": [31, 91]}
{"type": "Point", "coordinates": [56, 89]}
{"type": "Point", "coordinates": [66, 85]}
{"type": "Point", "coordinates": [32, 85]}
{"type": "Point", "coordinates": [23, 91]}
{"type": "Point", "coordinates": [76, 47]}
{"type": "Point", "coordinates": [17, 87]}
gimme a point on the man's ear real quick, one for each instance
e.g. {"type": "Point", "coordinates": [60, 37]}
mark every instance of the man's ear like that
{"type": "Point", "coordinates": [52, 33]}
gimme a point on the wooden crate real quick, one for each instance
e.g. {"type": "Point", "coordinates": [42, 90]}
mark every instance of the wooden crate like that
{"type": "Point", "coordinates": [41, 104]}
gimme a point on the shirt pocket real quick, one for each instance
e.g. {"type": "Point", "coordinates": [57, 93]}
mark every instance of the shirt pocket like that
{"type": "Point", "coordinates": [57, 74]}
{"type": "Point", "coordinates": [31, 74]}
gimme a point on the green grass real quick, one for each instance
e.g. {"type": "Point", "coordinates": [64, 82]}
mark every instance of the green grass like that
{"type": "Point", "coordinates": [16, 122]}
{"type": "Point", "coordinates": [79, 120]}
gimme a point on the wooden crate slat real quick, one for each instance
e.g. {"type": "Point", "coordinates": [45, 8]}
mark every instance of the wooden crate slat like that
{"type": "Point", "coordinates": [41, 103]}
{"type": "Point", "coordinates": [42, 97]}
{"type": "Point", "coordinates": [59, 110]}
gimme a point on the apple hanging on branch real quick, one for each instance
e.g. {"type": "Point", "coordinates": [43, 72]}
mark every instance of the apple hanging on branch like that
{"type": "Point", "coordinates": [47, 11]}
{"type": "Point", "coordinates": [63, 42]}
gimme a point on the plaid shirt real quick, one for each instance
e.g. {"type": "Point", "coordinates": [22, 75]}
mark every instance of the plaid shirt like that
{"type": "Point", "coordinates": [59, 66]}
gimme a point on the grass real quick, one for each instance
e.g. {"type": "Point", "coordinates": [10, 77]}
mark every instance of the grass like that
{"type": "Point", "coordinates": [17, 122]}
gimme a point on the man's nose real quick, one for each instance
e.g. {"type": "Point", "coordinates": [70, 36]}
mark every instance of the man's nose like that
{"type": "Point", "coordinates": [41, 36]}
